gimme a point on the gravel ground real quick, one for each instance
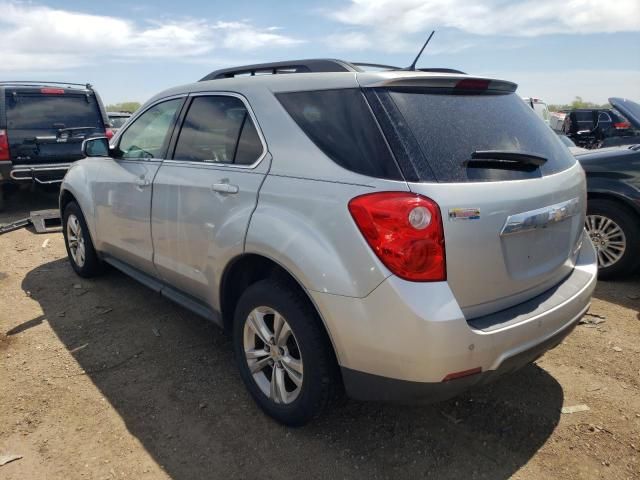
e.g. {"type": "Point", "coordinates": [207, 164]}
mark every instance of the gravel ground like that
{"type": "Point", "coordinates": [103, 379]}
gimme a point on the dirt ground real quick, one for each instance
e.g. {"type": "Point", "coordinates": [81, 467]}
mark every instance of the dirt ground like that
{"type": "Point", "coordinates": [102, 379]}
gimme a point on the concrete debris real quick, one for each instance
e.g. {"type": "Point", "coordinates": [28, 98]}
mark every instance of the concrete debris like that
{"type": "Point", "coordinates": [8, 458]}
{"type": "Point", "coordinates": [575, 409]}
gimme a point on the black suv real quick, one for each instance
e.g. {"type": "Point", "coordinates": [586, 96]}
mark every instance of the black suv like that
{"type": "Point", "coordinates": [592, 127]}
{"type": "Point", "coordinates": [42, 127]}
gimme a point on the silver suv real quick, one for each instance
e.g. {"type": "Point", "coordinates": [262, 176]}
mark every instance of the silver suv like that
{"type": "Point", "coordinates": [403, 235]}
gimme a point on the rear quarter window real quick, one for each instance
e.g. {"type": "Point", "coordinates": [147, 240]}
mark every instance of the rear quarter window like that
{"type": "Point", "coordinates": [440, 132]}
{"type": "Point", "coordinates": [341, 124]}
{"type": "Point", "coordinates": [34, 111]}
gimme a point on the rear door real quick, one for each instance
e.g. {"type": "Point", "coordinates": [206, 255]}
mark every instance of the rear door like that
{"type": "Point", "coordinates": [48, 125]}
{"type": "Point", "coordinates": [510, 228]}
{"type": "Point", "coordinates": [122, 191]}
{"type": "Point", "coordinates": [205, 193]}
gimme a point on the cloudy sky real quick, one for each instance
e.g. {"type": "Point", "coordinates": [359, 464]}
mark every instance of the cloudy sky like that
{"type": "Point", "coordinates": [130, 50]}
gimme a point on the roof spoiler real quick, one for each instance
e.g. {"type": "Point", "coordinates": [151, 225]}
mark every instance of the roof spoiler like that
{"type": "Point", "coordinates": [452, 83]}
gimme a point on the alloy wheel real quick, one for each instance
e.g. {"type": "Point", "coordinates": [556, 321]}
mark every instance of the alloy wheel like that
{"type": "Point", "coordinates": [273, 355]}
{"type": "Point", "coordinates": [608, 239]}
{"type": "Point", "coordinates": [75, 240]}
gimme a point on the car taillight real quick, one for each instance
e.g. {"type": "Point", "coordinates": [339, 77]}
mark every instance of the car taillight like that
{"type": "Point", "coordinates": [52, 91]}
{"type": "Point", "coordinates": [108, 133]}
{"type": "Point", "coordinates": [4, 146]}
{"type": "Point", "coordinates": [472, 84]}
{"type": "Point", "coordinates": [621, 125]}
{"type": "Point", "coordinates": [405, 231]}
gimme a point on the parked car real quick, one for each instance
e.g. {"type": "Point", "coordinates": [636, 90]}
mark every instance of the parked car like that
{"type": "Point", "coordinates": [117, 120]}
{"type": "Point", "coordinates": [613, 215]}
{"type": "Point", "coordinates": [590, 127]}
{"type": "Point", "coordinates": [540, 107]}
{"type": "Point", "coordinates": [42, 126]}
{"type": "Point", "coordinates": [631, 112]}
{"type": "Point", "coordinates": [312, 216]}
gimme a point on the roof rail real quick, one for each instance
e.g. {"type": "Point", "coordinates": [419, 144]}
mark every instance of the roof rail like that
{"type": "Point", "coordinates": [88, 86]}
{"type": "Point", "coordinates": [306, 66]}
{"type": "Point", "coordinates": [290, 66]}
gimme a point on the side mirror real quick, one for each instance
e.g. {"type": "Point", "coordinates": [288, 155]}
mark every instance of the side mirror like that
{"type": "Point", "coordinates": [96, 147]}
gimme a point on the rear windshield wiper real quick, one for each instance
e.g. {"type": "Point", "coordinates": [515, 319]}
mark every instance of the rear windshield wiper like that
{"type": "Point", "coordinates": [504, 159]}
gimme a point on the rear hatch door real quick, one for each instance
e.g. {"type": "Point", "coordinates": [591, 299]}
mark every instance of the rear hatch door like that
{"type": "Point", "coordinates": [511, 195]}
{"type": "Point", "coordinates": [629, 108]}
{"type": "Point", "coordinates": [48, 125]}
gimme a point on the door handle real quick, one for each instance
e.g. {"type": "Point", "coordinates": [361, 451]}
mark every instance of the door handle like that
{"type": "Point", "coordinates": [143, 182]}
{"type": "Point", "coordinates": [225, 188]}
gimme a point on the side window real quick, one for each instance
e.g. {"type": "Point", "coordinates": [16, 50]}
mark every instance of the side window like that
{"type": "Point", "coordinates": [340, 123]}
{"type": "Point", "coordinates": [218, 129]}
{"type": "Point", "coordinates": [147, 134]}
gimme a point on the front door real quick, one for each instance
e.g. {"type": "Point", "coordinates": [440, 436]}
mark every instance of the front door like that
{"type": "Point", "coordinates": [123, 191]}
{"type": "Point", "coordinates": [203, 196]}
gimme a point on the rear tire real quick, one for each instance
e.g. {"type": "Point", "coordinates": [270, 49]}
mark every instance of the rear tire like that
{"type": "Point", "coordinates": [615, 233]}
{"type": "Point", "coordinates": [293, 381]}
{"type": "Point", "coordinates": [77, 240]}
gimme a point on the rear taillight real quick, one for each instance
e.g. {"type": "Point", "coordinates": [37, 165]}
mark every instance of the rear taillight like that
{"type": "Point", "coordinates": [472, 84]}
{"type": "Point", "coordinates": [405, 231]}
{"type": "Point", "coordinates": [621, 125]}
{"type": "Point", "coordinates": [52, 91]}
{"type": "Point", "coordinates": [108, 133]}
{"type": "Point", "coordinates": [4, 146]}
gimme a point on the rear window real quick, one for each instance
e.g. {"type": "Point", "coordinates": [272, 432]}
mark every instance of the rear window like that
{"type": "Point", "coordinates": [33, 111]}
{"type": "Point", "coordinates": [437, 133]}
{"type": "Point", "coordinates": [341, 124]}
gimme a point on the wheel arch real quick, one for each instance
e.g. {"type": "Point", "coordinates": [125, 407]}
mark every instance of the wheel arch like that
{"type": "Point", "coordinates": [249, 268]}
{"type": "Point", "coordinates": [66, 197]}
{"type": "Point", "coordinates": [614, 197]}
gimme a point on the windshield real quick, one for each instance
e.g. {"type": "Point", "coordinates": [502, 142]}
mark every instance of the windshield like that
{"type": "Point", "coordinates": [448, 129]}
{"type": "Point", "coordinates": [28, 111]}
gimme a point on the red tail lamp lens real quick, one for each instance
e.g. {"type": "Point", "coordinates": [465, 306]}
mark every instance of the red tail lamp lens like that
{"type": "Point", "coordinates": [405, 231]}
{"type": "Point", "coordinates": [4, 146]}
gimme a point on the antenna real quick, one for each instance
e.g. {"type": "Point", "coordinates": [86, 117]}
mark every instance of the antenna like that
{"type": "Point", "coordinates": [412, 68]}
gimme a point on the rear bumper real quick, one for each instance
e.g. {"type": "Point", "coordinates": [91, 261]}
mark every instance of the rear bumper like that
{"type": "Point", "coordinates": [402, 340]}
{"type": "Point", "coordinates": [43, 174]}
{"type": "Point", "coordinates": [365, 386]}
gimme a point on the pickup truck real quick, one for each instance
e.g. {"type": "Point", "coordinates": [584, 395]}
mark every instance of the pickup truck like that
{"type": "Point", "coordinates": [42, 127]}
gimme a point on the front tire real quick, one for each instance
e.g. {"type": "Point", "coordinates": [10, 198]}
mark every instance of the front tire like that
{"type": "Point", "coordinates": [77, 240]}
{"type": "Point", "coordinates": [285, 358]}
{"type": "Point", "coordinates": [614, 232]}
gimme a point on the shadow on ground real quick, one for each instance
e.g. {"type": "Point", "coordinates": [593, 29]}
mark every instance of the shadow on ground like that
{"type": "Point", "coordinates": [19, 202]}
{"type": "Point", "coordinates": [171, 377]}
{"type": "Point", "coordinates": [624, 291]}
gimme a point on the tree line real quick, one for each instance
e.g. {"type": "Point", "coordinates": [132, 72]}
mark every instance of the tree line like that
{"type": "Point", "coordinates": [578, 102]}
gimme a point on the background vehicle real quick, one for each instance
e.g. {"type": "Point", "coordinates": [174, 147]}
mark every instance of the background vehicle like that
{"type": "Point", "coordinates": [631, 112]}
{"type": "Point", "coordinates": [42, 126]}
{"type": "Point", "coordinates": [589, 128]}
{"type": "Point", "coordinates": [613, 215]}
{"type": "Point", "coordinates": [117, 120]}
{"type": "Point", "coordinates": [540, 107]}
{"type": "Point", "coordinates": [311, 215]}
